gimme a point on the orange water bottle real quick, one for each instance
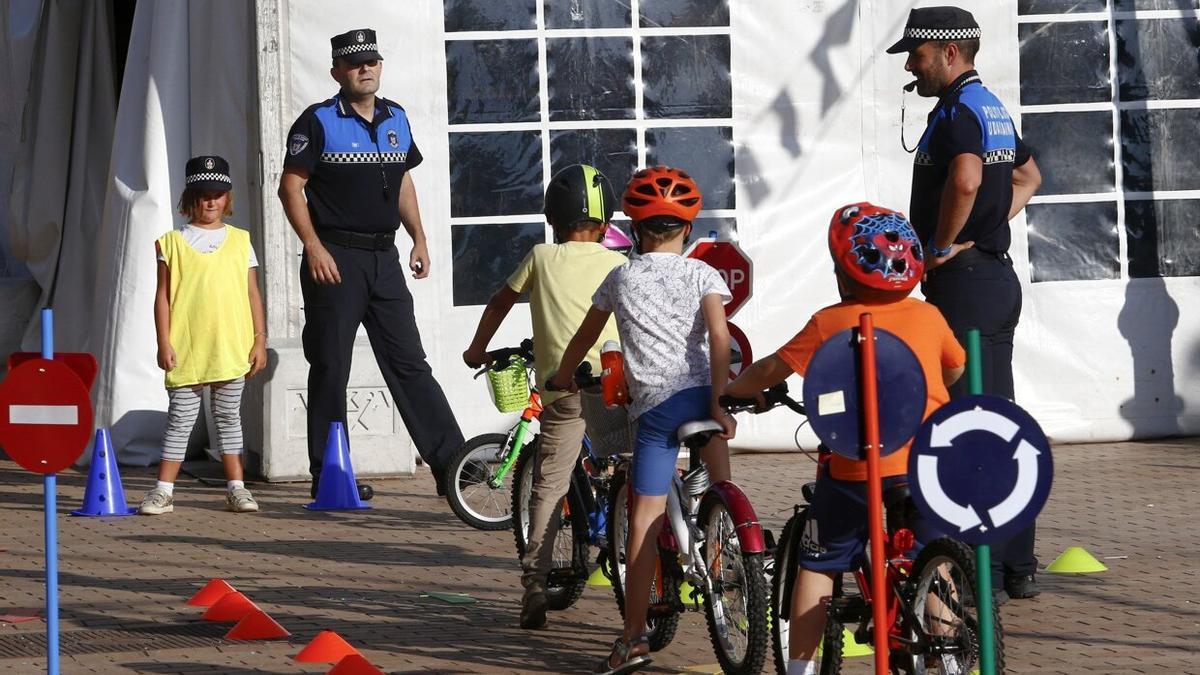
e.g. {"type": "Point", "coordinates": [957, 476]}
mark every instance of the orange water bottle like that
{"type": "Point", "coordinates": [612, 375]}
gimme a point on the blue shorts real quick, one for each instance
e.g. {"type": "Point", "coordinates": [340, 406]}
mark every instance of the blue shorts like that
{"type": "Point", "coordinates": [835, 536]}
{"type": "Point", "coordinates": [655, 445]}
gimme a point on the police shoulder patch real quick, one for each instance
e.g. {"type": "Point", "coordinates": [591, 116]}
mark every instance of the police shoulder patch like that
{"type": "Point", "coordinates": [297, 144]}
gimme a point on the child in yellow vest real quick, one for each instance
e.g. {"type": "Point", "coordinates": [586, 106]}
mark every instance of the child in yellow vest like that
{"type": "Point", "coordinates": [208, 314]}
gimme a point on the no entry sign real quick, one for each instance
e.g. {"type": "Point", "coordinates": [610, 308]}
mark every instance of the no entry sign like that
{"type": "Point", "coordinates": [45, 416]}
{"type": "Point", "coordinates": [734, 266]}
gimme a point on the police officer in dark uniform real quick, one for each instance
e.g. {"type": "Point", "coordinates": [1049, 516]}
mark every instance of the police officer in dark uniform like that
{"type": "Point", "coordinates": [346, 190]}
{"type": "Point", "coordinates": [971, 175]}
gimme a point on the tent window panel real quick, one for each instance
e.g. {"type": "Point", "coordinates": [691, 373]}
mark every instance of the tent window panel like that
{"type": "Point", "coordinates": [1158, 149]}
{"type": "Point", "coordinates": [1059, 6]}
{"type": "Point", "coordinates": [1128, 5]}
{"type": "Point", "coordinates": [725, 228]}
{"type": "Point", "coordinates": [1073, 150]}
{"type": "Point", "coordinates": [590, 78]}
{"type": "Point", "coordinates": [613, 151]}
{"type": "Point", "coordinates": [495, 173]}
{"type": "Point", "coordinates": [1162, 238]}
{"type": "Point", "coordinates": [485, 255]}
{"type": "Point", "coordinates": [704, 152]}
{"type": "Point", "coordinates": [683, 13]}
{"type": "Point", "coordinates": [1160, 59]}
{"type": "Point", "coordinates": [586, 13]}
{"type": "Point", "coordinates": [490, 81]}
{"type": "Point", "coordinates": [471, 15]}
{"type": "Point", "coordinates": [1072, 242]}
{"type": "Point", "coordinates": [687, 76]}
{"type": "Point", "coordinates": [1064, 62]}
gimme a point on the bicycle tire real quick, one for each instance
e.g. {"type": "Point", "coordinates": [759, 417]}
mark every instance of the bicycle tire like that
{"type": "Point", "coordinates": [663, 622]}
{"type": "Point", "coordinates": [572, 533]}
{"type": "Point", "coordinates": [743, 592]}
{"type": "Point", "coordinates": [786, 560]}
{"type": "Point", "coordinates": [469, 470]}
{"type": "Point", "coordinates": [832, 644]}
{"type": "Point", "coordinates": [961, 574]}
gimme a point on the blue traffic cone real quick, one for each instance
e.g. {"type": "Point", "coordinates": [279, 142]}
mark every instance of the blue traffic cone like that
{"type": "Point", "coordinates": [104, 495]}
{"type": "Point", "coordinates": [337, 490]}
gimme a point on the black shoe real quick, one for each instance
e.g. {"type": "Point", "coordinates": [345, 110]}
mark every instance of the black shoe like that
{"type": "Point", "coordinates": [533, 610]}
{"type": "Point", "coordinates": [1022, 587]}
{"type": "Point", "coordinates": [999, 597]}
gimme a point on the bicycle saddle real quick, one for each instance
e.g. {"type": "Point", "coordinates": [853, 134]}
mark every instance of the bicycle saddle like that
{"type": "Point", "coordinates": [698, 430]}
{"type": "Point", "coordinates": [896, 496]}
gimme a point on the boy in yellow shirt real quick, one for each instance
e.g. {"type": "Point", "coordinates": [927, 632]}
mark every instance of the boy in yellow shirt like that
{"type": "Point", "coordinates": [561, 279]}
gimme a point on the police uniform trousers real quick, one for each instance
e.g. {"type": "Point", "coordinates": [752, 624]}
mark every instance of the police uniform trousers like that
{"type": "Point", "coordinates": [979, 289]}
{"type": "Point", "coordinates": [373, 292]}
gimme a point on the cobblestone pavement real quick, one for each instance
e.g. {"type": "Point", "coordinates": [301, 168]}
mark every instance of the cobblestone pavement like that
{"type": "Point", "coordinates": [363, 574]}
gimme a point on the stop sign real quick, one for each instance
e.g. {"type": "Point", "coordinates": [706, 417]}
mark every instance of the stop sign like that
{"type": "Point", "coordinates": [45, 415]}
{"type": "Point", "coordinates": [733, 265]}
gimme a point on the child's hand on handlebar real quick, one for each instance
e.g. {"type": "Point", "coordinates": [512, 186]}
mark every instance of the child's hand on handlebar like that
{"type": "Point", "coordinates": [559, 383]}
{"type": "Point", "coordinates": [475, 357]}
{"type": "Point", "coordinates": [722, 417]}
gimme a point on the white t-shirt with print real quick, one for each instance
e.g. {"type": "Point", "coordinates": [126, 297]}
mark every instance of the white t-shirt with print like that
{"type": "Point", "coordinates": [203, 240]}
{"type": "Point", "coordinates": [656, 298]}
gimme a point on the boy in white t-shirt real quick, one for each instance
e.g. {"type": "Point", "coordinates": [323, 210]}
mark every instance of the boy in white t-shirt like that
{"type": "Point", "coordinates": [671, 318]}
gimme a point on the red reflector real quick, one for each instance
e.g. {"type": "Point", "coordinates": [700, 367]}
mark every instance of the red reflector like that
{"type": "Point", "coordinates": [904, 539]}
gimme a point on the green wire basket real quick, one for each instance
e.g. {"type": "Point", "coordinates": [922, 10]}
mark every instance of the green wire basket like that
{"type": "Point", "coordinates": [509, 386]}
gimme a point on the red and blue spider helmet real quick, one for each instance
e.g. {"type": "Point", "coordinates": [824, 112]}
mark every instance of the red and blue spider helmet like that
{"type": "Point", "coordinates": [875, 248]}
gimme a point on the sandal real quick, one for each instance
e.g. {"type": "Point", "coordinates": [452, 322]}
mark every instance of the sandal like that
{"type": "Point", "coordinates": [629, 662]}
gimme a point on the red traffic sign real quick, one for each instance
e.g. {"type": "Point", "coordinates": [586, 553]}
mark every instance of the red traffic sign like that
{"type": "Point", "coordinates": [45, 415]}
{"type": "Point", "coordinates": [734, 266]}
{"type": "Point", "coordinates": [742, 357]}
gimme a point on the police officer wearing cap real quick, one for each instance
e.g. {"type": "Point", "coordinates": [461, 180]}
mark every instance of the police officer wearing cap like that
{"type": "Point", "coordinates": [346, 189]}
{"type": "Point", "coordinates": [971, 175]}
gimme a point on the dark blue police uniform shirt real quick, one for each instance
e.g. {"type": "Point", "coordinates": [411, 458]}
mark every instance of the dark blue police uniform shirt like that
{"type": "Point", "coordinates": [968, 119]}
{"type": "Point", "coordinates": [354, 167]}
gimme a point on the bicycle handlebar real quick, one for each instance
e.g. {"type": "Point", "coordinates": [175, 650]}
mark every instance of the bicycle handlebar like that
{"type": "Point", "coordinates": [773, 398]}
{"type": "Point", "coordinates": [583, 378]}
{"type": "Point", "coordinates": [498, 359]}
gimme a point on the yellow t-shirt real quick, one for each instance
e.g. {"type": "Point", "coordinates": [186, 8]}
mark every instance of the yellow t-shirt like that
{"type": "Point", "coordinates": [211, 328]}
{"type": "Point", "coordinates": [561, 279]}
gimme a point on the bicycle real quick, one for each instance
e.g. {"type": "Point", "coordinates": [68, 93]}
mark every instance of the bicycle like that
{"type": "Point", "coordinates": [711, 540]}
{"type": "Point", "coordinates": [930, 600]}
{"type": "Point", "coordinates": [478, 486]}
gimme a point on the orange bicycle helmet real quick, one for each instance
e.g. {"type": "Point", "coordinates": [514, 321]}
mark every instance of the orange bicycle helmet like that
{"type": "Point", "coordinates": [661, 191]}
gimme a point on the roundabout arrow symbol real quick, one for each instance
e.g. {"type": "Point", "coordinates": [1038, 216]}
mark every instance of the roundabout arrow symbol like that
{"type": "Point", "coordinates": [963, 517]}
{"type": "Point", "coordinates": [1027, 478]}
{"type": "Point", "coordinates": [943, 435]}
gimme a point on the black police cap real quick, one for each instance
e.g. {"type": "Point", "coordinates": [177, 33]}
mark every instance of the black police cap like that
{"type": "Point", "coordinates": [208, 172]}
{"type": "Point", "coordinates": [936, 23]}
{"type": "Point", "coordinates": [356, 46]}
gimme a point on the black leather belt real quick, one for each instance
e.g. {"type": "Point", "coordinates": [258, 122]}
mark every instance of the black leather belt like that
{"type": "Point", "coordinates": [370, 241]}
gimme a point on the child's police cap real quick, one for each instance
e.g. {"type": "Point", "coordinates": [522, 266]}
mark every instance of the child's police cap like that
{"type": "Point", "coordinates": [936, 23]}
{"type": "Point", "coordinates": [208, 172]}
{"type": "Point", "coordinates": [356, 46]}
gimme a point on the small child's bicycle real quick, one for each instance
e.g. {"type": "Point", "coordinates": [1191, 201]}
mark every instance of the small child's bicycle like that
{"type": "Point", "coordinates": [930, 600]}
{"type": "Point", "coordinates": [478, 481]}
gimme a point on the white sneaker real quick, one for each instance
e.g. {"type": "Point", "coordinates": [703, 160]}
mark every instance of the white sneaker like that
{"type": "Point", "coordinates": [240, 500]}
{"type": "Point", "coordinates": [156, 503]}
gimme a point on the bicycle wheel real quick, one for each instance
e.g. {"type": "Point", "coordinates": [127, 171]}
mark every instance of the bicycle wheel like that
{"type": "Point", "coordinates": [786, 569]}
{"type": "Point", "coordinates": [568, 563]}
{"type": "Point", "coordinates": [662, 620]}
{"type": "Point", "coordinates": [736, 608]}
{"type": "Point", "coordinates": [468, 492]}
{"type": "Point", "coordinates": [943, 603]}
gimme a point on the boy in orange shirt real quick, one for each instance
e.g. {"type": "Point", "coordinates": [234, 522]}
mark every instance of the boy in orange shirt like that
{"type": "Point", "coordinates": [878, 261]}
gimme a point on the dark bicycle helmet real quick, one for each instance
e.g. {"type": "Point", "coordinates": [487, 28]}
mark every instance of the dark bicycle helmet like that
{"type": "Point", "coordinates": [875, 249]}
{"type": "Point", "coordinates": [661, 191]}
{"type": "Point", "coordinates": [578, 192]}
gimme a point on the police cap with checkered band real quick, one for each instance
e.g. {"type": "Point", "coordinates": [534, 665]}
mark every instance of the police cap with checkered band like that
{"type": "Point", "coordinates": [936, 23]}
{"type": "Point", "coordinates": [356, 46]}
{"type": "Point", "coordinates": [207, 172]}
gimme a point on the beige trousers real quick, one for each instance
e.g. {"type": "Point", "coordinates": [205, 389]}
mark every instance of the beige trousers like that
{"type": "Point", "coordinates": [562, 429]}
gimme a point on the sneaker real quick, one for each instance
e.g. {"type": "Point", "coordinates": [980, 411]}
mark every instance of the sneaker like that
{"type": "Point", "coordinates": [240, 501]}
{"type": "Point", "coordinates": [156, 503]}
{"type": "Point", "coordinates": [1022, 587]}
{"type": "Point", "coordinates": [533, 609]}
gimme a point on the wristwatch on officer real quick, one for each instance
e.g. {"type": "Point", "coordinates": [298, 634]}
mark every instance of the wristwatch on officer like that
{"type": "Point", "coordinates": [939, 252]}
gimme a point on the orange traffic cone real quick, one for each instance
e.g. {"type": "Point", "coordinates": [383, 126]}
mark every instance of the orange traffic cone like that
{"type": "Point", "coordinates": [327, 647]}
{"type": "Point", "coordinates": [231, 608]}
{"type": "Point", "coordinates": [354, 664]}
{"type": "Point", "coordinates": [257, 625]}
{"type": "Point", "coordinates": [212, 592]}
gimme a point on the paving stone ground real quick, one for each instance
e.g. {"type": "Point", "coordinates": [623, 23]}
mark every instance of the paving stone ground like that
{"type": "Point", "coordinates": [124, 580]}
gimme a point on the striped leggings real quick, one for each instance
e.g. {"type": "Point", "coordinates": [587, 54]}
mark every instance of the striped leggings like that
{"type": "Point", "coordinates": [184, 408]}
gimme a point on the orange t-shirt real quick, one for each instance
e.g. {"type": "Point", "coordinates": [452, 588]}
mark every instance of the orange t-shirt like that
{"type": "Point", "coordinates": [919, 324]}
